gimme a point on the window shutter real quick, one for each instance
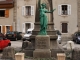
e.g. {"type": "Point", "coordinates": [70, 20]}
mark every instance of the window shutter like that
{"type": "Point", "coordinates": [3, 29]}
{"type": "Point", "coordinates": [11, 29]}
{"type": "Point", "coordinates": [23, 27]}
{"type": "Point", "coordinates": [69, 9]}
{"type": "Point", "coordinates": [26, 10]}
{"type": "Point", "coordinates": [23, 11]}
{"type": "Point", "coordinates": [32, 10]}
{"type": "Point", "coordinates": [59, 9]}
{"type": "Point", "coordinates": [6, 13]}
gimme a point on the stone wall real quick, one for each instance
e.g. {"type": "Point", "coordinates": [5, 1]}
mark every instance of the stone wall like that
{"type": "Point", "coordinates": [76, 54]}
{"type": "Point", "coordinates": [78, 3]}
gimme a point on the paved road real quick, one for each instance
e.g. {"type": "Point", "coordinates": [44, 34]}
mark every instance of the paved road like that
{"type": "Point", "coordinates": [16, 44]}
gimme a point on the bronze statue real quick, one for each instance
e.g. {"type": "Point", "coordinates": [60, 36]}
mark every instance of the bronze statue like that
{"type": "Point", "coordinates": [43, 17]}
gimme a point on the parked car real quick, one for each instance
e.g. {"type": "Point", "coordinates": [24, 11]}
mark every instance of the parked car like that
{"type": "Point", "coordinates": [27, 34]}
{"type": "Point", "coordinates": [76, 37]}
{"type": "Point", "coordinates": [13, 35]}
{"type": "Point", "coordinates": [4, 42]}
{"type": "Point", "coordinates": [1, 35]}
{"type": "Point", "coordinates": [59, 36]}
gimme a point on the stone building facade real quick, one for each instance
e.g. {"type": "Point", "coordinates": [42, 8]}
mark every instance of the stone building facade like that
{"type": "Point", "coordinates": [66, 16]}
{"type": "Point", "coordinates": [25, 12]}
{"type": "Point", "coordinates": [6, 15]}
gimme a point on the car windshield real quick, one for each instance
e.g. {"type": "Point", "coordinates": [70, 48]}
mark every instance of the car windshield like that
{"type": "Point", "coordinates": [10, 33]}
{"type": "Point", "coordinates": [78, 34]}
{"type": "Point", "coordinates": [28, 32]}
{"type": "Point", "coordinates": [1, 38]}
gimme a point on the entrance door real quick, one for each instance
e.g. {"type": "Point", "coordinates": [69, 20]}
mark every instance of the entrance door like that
{"type": "Point", "coordinates": [64, 28]}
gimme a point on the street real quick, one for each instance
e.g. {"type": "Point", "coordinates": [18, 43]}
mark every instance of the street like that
{"type": "Point", "coordinates": [18, 44]}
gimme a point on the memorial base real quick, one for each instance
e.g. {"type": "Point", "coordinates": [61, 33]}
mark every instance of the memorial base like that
{"type": "Point", "coordinates": [42, 53]}
{"type": "Point", "coordinates": [42, 47]}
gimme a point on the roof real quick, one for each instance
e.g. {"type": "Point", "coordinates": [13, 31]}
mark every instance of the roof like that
{"type": "Point", "coordinates": [7, 2]}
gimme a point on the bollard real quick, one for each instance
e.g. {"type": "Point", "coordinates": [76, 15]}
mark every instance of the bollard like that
{"type": "Point", "coordinates": [61, 56]}
{"type": "Point", "coordinates": [19, 56]}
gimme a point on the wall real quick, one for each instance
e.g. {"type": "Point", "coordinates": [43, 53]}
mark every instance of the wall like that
{"type": "Point", "coordinates": [9, 20]}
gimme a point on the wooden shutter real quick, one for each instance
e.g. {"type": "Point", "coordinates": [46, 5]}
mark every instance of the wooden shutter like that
{"type": "Point", "coordinates": [59, 10]}
{"type": "Point", "coordinates": [23, 27]}
{"type": "Point", "coordinates": [27, 10]}
{"type": "Point", "coordinates": [23, 11]}
{"type": "Point", "coordinates": [69, 9]}
{"type": "Point", "coordinates": [6, 13]}
{"type": "Point", "coordinates": [64, 28]}
{"type": "Point", "coordinates": [11, 28]}
{"type": "Point", "coordinates": [32, 10]}
{"type": "Point", "coordinates": [3, 29]}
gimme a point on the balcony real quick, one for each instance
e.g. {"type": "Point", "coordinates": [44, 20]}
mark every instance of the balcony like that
{"type": "Point", "coordinates": [6, 3]}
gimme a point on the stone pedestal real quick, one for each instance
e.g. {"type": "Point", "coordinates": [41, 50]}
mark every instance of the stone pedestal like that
{"type": "Point", "coordinates": [19, 56]}
{"type": "Point", "coordinates": [50, 31]}
{"type": "Point", "coordinates": [8, 53]}
{"type": "Point", "coordinates": [61, 56]}
{"type": "Point", "coordinates": [42, 47]}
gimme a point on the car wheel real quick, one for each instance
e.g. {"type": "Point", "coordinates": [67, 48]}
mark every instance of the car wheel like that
{"type": "Point", "coordinates": [76, 41]}
{"type": "Point", "coordinates": [16, 39]}
{"type": "Point", "coordinates": [23, 39]}
{"type": "Point", "coordinates": [9, 44]}
{"type": "Point", "coordinates": [1, 51]}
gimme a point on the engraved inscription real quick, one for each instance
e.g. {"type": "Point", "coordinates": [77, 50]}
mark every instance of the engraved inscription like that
{"type": "Point", "coordinates": [42, 43]}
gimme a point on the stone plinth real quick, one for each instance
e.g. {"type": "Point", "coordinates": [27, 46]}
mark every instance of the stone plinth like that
{"type": "Point", "coordinates": [42, 53]}
{"type": "Point", "coordinates": [42, 47]}
{"type": "Point", "coordinates": [8, 53]}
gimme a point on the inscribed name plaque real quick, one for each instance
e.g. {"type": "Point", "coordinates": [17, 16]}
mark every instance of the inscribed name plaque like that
{"type": "Point", "coordinates": [42, 42]}
{"type": "Point", "coordinates": [42, 47]}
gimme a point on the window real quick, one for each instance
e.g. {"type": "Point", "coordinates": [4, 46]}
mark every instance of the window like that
{"type": "Point", "coordinates": [64, 28]}
{"type": "Point", "coordinates": [27, 10]}
{"type": "Point", "coordinates": [64, 9]}
{"type": "Point", "coordinates": [7, 28]}
{"type": "Point", "coordinates": [4, 13]}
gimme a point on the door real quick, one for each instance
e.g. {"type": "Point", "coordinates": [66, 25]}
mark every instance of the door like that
{"type": "Point", "coordinates": [27, 26]}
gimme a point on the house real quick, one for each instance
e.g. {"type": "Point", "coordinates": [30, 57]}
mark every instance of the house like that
{"type": "Point", "coordinates": [6, 15]}
{"type": "Point", "coordinates": [66, 16]}
{"type": "Point", "coordinates": [25, 16]}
